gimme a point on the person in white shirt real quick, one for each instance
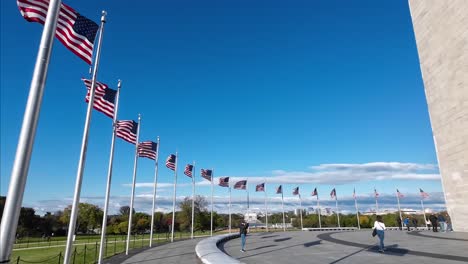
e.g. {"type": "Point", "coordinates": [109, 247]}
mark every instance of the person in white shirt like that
{"type": "Point", "coordinates": [379, 226]}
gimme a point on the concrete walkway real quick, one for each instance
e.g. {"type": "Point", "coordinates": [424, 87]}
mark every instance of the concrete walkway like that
{"type": "Point", "coordinates": [167, 253]}
{"type": "Point", "coordinates": [318, 247]}
{"type": "Point", "coordinates": [351, 247]}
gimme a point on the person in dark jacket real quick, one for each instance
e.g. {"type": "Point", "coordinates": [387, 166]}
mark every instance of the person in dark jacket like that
{"type": "Point", "coordinates": [398, 219]}
{"type": "Point", "coordinates": [243, 228]}
{"type": "Point", "coordinates": [433, 220]}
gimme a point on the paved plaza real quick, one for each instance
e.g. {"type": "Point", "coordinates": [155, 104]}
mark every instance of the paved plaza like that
{"type": "Point", "coordinates": [351, 247]}
{"type": "Point", "coordinates": [320, 247]}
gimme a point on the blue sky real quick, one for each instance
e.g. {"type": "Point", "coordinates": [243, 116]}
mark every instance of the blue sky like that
{"type": "Point", "coordinates": [317, 93]}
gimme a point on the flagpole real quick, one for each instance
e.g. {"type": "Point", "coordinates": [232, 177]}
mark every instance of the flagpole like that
{"type": "Point", "coordinates": [376, 206]}
{"type": "Point", "coordinates": [337, 211]}
{"type": "Point", "coordinates": [20, 169]}
{"type": "Point", "coordinates": [319, 211]}
{"type": "Point", "coordinates": [399, 209]}
{"type": "Point", "coordinates": [109, 176]}
{"type": "Point", "coordinates": [211, 222]}
{"type": "Point", "coordinates": [282, 206]}
{"type": "Point", "coordinates": [376, 203]}
{"type": "Point", "coordinates": [174, 197]}
{"type": "Point", "coordinates": [132, 197]}
{"type": "Point", "coordinates": [300, 205]}
{"type": "Point", "coordinates": [266, 207]}
{"type": "Point", "coordinates": [193, 198]}
{"type": "Point", "coordinates": [84, 147]}
{"type": "Point", "coordinates": [357, 213]}
{"type": "Point", "coordinates": [424, 212]}
{"type": "Point", "coordinates": [229, 208]}
{"type": "Point", "coordinates": [155, 187]}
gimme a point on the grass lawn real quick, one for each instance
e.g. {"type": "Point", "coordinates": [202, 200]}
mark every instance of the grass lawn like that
{"type": "Point", "coordinates": [86, 248]}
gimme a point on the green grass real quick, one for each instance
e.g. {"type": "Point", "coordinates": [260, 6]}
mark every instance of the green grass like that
{"type": "Point", "coordinates": [86, 247]}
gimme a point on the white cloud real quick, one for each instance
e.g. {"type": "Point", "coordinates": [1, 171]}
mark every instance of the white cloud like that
{"type": "Point", "coordinates": [336, 174]}
{"type": "Point", "coordinates": [143, 203]}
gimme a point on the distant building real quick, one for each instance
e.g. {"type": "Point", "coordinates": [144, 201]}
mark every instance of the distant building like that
{"type": "Point", "coordinates": [250, 217]}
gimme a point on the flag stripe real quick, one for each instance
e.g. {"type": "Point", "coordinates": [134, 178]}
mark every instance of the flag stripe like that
{"type": "Point", "coordinates": [126, 130]}
{"type": "Point", "coordinates": [147, 149]}
{"type": "Point", "coordinates": [188, 170]}
{"type": "Point", "coordinates": [170, 162]}
{"type": "Point", "coordinates": [241, 185]}
{"type": "Point", "coordinates": [207, 174]}
{"type": "Point", "coordinates": [224, 182]}
{"type": "Point", "coordinates": [36, 11]}
{"type": "Point", "coordinates": [104, 98]}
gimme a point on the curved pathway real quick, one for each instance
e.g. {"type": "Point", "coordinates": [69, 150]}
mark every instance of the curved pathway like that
{"type": "Point", "coordinates": [167, 253]}
{"type": "Point", "coordinates": [347, 247]}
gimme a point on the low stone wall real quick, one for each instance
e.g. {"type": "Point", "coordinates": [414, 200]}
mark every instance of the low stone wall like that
{"type": "Point", "coordinates": [208, 252]}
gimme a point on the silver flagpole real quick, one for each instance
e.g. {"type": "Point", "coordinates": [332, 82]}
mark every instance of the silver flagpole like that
{"type": "Point", "coordinates": [84, 147]}
{"type": "Point", "coordinates": [319, 212]}
{"type": "Point", "coordinates": [357, 213]}
{"type": "Point", "coordinates": [376, 206]}
{"type": "Point", "coordinates": [337, 211]}
{"type": "Point", "coordinates": [20, 169]}
{"type": "Point", "coordinates": [155, 187]}
{"type": "Point", "coordinates": [424, 212]}
{"type": "Point", "coordinates": [300, 205]}
{"type": "Point", "coordinates": [229, 208]}
{"type": "Point", "coordinates": [132, 198]}
{"type": "Point", "coordinates": [174, 197]}
{"type": "Point", "coordinates": [212, 174]}
{"type": "Point", "coordinates": [193, 198]}
{"type": "Point", "coordinates": [266, 208]}
{"type": "Point", "coordinates": [109, 177]}
{"type": "Point", "coordinates": [399, 209]}
{"type": "Point", "coordinates": [282, 206]}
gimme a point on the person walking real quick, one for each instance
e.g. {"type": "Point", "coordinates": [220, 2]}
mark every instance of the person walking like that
{"type": "Point", "coordinates": [243, 228]}
{"type": "Point", "coordinates": [379, 226]}
{"type": "Point", "coordinates": [433, 220]}
{"type": "Point", "coordinates": [441, 220]}
{"type": "Point", "coordinates": [406, 222]}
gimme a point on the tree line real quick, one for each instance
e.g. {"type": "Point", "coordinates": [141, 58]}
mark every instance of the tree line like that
{"type": "Point", "coordinates": [90, 220]}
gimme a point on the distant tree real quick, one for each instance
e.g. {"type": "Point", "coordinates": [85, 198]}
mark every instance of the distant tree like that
{"type": "Point", "coordinates": [89, 217]}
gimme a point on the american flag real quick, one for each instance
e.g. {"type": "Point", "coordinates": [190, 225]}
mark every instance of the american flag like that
{"type": "Point", "coordinates": [315, 193]}
{"type": "Point", "coordinates": [354, 193]}
{"type": "Point", "coordinates": [399, 194]}
{"type": "Point", "coordinates": [333, 193]}
{"type": "Point", "coordinates": [147, 149]}
{"type": "Point", "coordinates": [207, 174]}
{"type": "Point", "coordinates": [127, 130]}
{"type": "Point", "coordinates": [188, 170]}
{"type": "Point", "coordinates": [75, 31]}
{"type": "Point", "coordinates": [279, 189]}
{"type": "Point", "coordinates": [376, 194]}
{"type": "Point", "coordinates": [224, 182]}
{"type": "Point", "coordinates": [170, 162]}
{"type": "Point", "coordinates": [260, 187]}
{"type": "Point", "coordinates": [423, 193]}
{"type": "Point", "coordinates": [104, 98]}
{"type": "Point", "coordinates": [296, 191]}
{"type": "Point", "coordinates": [241, 185]}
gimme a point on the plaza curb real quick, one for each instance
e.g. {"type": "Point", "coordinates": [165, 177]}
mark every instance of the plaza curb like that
{"type": "Point", "coordinates": [208, 252]}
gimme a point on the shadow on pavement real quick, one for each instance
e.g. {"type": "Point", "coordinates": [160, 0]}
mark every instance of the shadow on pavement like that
{"type": "Point", "coordinates": [282, 239]}
{"type": "Point", "coordinates": [313, 243]}
{"type": "Point", "coordinates": [393, 250]}
{"type": "Point", "coordinates": [270, 236]}
{"type": "Point", "coordinates": [277, 249]}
